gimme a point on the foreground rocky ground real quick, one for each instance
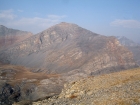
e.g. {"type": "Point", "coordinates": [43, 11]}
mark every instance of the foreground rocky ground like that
{"type": "Point", "coordinates": [121, 88]}
{"type": "Point", "coordinates": [19, 84]}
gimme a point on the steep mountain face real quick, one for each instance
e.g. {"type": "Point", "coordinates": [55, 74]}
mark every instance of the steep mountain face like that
{"type": "Point", "coordinates": [132, 46]}
{"type": "Point", "coordinates": [11, 36]}
{"type": "Point", "coordinates": [67, 47]}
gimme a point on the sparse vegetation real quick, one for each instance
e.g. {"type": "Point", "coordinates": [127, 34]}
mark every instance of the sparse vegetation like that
{"type": "Point", "coordinates": [120, 88]}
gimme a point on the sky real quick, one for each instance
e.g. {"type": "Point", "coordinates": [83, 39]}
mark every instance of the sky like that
{"type": "Point", "coordinates": [105, 17]}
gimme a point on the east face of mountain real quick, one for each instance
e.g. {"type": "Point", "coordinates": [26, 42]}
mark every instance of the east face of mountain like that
{"type": "Point", "coordinates": [67, 47]}
{"type": "Point", "coordinates": [10, 36]}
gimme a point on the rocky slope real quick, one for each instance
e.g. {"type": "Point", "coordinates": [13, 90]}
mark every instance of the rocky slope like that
{"type": "Point", "coordinates": [17, 83]}
{"type": "Point", "coordinates": [121, 88]}
{"type": "Point", "coordinates": [132, 46]}
{"type": "Point", "coordinates": [10, 36]}
{"type": "Point", "coordinates": [67, 47]}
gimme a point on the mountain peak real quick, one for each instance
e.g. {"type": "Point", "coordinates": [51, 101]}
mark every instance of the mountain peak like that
{"type": "Point", "coordinates": [2, 26]}
{"type": "Point", "coordinates": [65, 25]}
{"type": "Point", "coordinates": [65, 30]}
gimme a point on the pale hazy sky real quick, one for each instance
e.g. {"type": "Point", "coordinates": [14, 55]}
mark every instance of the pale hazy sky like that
{"type": "Point", "coordinates": [106, 17]}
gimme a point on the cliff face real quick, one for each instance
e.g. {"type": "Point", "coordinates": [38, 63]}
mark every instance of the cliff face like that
{"type": "Point", "coordinates": [67, 47]}
{"type": "Point", "coordinates": [11, 36]}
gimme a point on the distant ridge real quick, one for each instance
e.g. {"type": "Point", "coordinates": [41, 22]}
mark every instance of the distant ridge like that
{"type": "Point", "coordinates": [132, 46]}
{"type": "Point", "coordinates": [10, 36]}
{"type": "Point", "coordinates": [126, 42]}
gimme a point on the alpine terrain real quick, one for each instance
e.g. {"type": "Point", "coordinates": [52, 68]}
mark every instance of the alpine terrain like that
{"type": "Point", "coordinates": [37, 67]}
{"type": "Point", "coordinates": [67, 47]}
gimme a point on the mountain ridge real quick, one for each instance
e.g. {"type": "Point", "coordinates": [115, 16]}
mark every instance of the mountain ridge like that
{"type": "Point", "coordinates": [65, 47]}
{"type": "Point", "coordinates": [9, 36]}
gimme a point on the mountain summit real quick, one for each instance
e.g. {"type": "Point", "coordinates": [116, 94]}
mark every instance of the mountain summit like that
{"type": "Point", "coordinates": [67, 47]}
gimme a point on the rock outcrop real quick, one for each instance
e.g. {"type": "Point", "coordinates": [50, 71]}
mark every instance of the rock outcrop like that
{"type": "Point", "coordinates": [121, 88]}
{"type": "Point", "coordinates": [17, 83]}
{"type": "Point", "coordinates": [67, 47]}
{"type": "Point", "coordinates": [10, 36]}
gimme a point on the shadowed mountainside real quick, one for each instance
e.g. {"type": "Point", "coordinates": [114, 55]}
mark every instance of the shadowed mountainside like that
{"type": "Point", "coordinates": [17, 83]}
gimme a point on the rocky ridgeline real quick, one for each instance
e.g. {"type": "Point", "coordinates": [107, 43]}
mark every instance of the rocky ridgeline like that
{"type": "Point", "coordinates": [67, 47]}
{"type": "Point", "coordinates": [120, 88]}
